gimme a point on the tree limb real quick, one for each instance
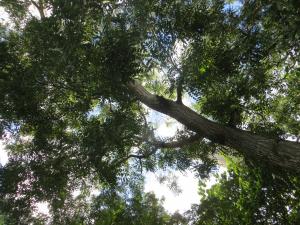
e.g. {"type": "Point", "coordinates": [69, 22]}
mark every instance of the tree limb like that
{"type": "Point", "coordinates": [278, 153]}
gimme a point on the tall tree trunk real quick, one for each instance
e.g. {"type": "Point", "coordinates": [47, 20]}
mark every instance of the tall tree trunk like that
{"type": "Point", "coordinates": [275, 152]}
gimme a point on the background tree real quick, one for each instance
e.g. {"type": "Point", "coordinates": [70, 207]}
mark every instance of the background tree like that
{"type": "Point", "coordinates": [246, 195]}
{"type": "Point", "coordinates": [74, 78]}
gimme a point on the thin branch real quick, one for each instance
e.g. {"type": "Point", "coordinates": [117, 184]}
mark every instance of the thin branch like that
{"type": "Point", "coordinates": [40, 8]}
{"type": "Point", "coordinates": [160, 144]}
{"type": "Point", "coordinates": [180, 143]}
{"type": "Point", "coordinates": [179, 88]}
{"type": "Point", "coordinates": [179, 91]}
{"type": "Point", "coordinates": [140, 157]}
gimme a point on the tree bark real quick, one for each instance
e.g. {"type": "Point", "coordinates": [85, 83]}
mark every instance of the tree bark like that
{"type": "Point", "coordinates": [275, 152]}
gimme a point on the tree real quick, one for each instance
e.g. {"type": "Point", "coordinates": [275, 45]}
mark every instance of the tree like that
{"type": "Point", "coordinates": [125, 204]}
{"type": "Point", "coordinates": [248, 196]}
{"type": "Point", "coordinates": [74, 78]}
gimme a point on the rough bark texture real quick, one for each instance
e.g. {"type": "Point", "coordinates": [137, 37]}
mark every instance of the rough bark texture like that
{"type": "Point", "coordinates": [285, 154]}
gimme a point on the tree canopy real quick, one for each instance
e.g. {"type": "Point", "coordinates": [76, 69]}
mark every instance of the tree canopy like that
{"type": "Point", "coordinates": [248, 195]}
{"type": "Point", "coordinates": [78, 79]}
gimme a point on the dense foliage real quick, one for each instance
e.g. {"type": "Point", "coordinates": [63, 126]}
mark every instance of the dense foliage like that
{"type": "Point", "coordinates": [247, 195]}
{"type": "Point", "coordinates": [71, 120]}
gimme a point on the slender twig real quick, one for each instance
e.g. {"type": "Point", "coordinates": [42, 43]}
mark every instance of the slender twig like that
{"type": "Point", "coordinates": [39, 7]}
{"type": "Point", "coordinates": [160, 144]}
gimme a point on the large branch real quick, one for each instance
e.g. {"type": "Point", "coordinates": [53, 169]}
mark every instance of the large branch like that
{"type": "Point", "coordinates": [179, 143]}
{"type": "Point", "coordinates": [275, 152]}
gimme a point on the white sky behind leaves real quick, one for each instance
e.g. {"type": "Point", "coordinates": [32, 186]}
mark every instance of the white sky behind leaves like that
{"type": "Point", "coordinates": [166, 127]}
{"type": "Point", "coordinates": [187, 182]}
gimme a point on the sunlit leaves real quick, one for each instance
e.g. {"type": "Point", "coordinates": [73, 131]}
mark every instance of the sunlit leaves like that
{"type": "Point", "coordinates": [72, 120]}
{"type": "Point", "coordinates": [249, 196]}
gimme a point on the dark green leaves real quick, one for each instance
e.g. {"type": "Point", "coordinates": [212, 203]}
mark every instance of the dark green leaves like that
{"type": "Point", "coordinates": [73, 122]}
{"type": "Point", "coordinates": [249, 196]}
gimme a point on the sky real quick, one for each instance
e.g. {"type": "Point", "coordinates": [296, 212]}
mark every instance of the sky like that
{"type": "Point", "coordinates": [187, 182]}
{"type": "Point", "coordinates": [174, 201]}
{"type": "Point", "coordinates": [3, 154]}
